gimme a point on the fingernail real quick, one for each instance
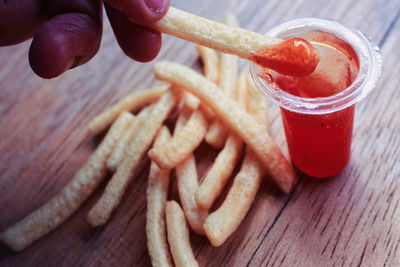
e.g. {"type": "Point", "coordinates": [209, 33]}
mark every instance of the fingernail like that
{"type": "Point", "coordinates": [155, 5]}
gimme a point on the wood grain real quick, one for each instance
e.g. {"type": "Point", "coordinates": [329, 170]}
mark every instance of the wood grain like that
{"type": "Point", "coordinates": [349, 220]}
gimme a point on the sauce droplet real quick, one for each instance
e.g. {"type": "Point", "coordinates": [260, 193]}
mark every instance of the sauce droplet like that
{"type": "Point", "coordinates": [294, 57]}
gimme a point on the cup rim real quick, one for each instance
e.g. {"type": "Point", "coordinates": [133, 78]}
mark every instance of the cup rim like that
{"type": "Point", "coordinates": [369, 72]}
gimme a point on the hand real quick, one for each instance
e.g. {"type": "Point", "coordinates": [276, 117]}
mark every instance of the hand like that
{"type": "Point", "coordinates": [67, 33]}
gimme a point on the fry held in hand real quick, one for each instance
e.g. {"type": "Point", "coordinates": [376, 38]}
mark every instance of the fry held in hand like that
{"type": "Point", "coordinates": [228, 69]}
{"type": "Point", "coordinates": [294, 56]}
{"type": "Point", "coordinates": [234, 117]}
{"type": "Point", "coordinates": [157, 192]}
{"type": "Point", "coordinates": [178, 236]}
{"type": "Point", "coordinates": [102, 210]}
{"type": "Point", "coordinates": [57, 210]}
{"type": "Point", "coordinates": [129, 103]}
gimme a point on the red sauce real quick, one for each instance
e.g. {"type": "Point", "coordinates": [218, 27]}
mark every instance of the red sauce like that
{"type": "Point", "coordinates": [294, 57]}
{"type": "Point", "coordinates": [319, 144]}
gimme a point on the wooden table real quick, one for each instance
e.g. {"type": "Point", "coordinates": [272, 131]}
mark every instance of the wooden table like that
{"type": "Point", "coordinates": [350, 220]}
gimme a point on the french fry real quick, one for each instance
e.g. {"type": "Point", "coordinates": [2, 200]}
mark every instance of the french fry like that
{"type": "Point", "coordinates": [215, 35]}
{"type": "Point", "coordinates": [182, 144]}
{"type": "Point", "coordinates": [118, 151]}
{"type": "Point", "coordinates": [257, 104]}
{"type": "Point", "coordinates": [58, 209]}
{"type": "Point", "coordinates": [225, 220]}
{"type": "Point", "coordinates": [281, 56]}
{"type": "Point", "coordinates": [157, 192]}
{"type": "Point", "coordinates": [191, 101]}
{"type": "Point", "coordinates": [187, 182]}
{"type": "Point", "coordinates": [210, 61]}
{"type": "Point", "coordinates": [242, 91]}
{"type": "Point", "coordinates": [102, 210]}
{"type": "Point", "coordinates": [234, 117]}
{"type": "Point", "coordinates": [178, 236]}
{"type": "Point", "coordinates": [224, 164]}
{"type": "Point", "coordinates": [129, 103]}
{"type": "Point", "coordinates": [228, 69]}
{"type": "Point", "coordinates": [219, 173]}
{"type": "Point", "coordinates": [211, 70]}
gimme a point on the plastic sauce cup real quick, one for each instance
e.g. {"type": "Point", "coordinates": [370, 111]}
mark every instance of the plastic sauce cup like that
{"type": "Point", "coordinates": [318, 120]}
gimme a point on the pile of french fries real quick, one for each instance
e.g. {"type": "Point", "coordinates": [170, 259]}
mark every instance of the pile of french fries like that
{"type": "Point", "coordinates": [221, 108]}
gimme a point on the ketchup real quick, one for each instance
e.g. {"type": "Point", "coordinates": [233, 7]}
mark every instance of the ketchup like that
{"type": "Point", "coordinates": [319, 144]}
{"type": "Point", "coordinates": [295, 57]}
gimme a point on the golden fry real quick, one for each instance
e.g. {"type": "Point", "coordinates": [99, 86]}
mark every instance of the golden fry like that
{"type": "Point", "coordinates": [191, 101]}
{"type": "Point", "coordinates": [210, 61]}
{"type": "Point", "coordinates": [257, 104]}
{"type": "Point", "coordinates": [219, 173]}
{"type": "Point", "coordinates": [187, 182]}
{"type": "Point", "coordinates": [223, 166]}
{"type": "Point", "coordinates": [102, 210]}
{"type": "Point", "coordinates": [226, 219]}
{"type": "Point", "coordinates": [57, 210]}
{"type": "Point", "coordinates": [228, 75]}
{"type": "Point", "coordinates": [129, 103]}
{"type": "Point", "coordinates": [182, 144]}
{"type": "Point", "coordinates": [242, 91]}
{"type": "Point", "coordinates": [120, 147]}
{"type": "Point", "coordinates": [218, 36]}
{"type": "Point", "coordinates": [178, 236]}
{"type": "Point", "coordinates": [157, 192]}
{"type": "Point", "coordinates": [234, 117]}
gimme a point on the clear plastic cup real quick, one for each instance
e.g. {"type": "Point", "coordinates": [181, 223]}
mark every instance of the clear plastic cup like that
{"type": "Point", "coordinates": [318, 128]}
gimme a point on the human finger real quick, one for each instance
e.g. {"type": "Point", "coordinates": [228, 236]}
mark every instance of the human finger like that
{"type": "Point", "coordinates": [137, 42]}
{"type": "Point", "coordinates": [63, 42]}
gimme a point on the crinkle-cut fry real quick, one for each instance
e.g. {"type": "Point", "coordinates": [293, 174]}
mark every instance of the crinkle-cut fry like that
{"type": "Point", "coordinates": [178, 236]}
{"type": "Point", "coordinates": [129, 103]}
{"type": "Point", "coordinates": [218, 36]}
{"type": "Point", "coordinates": [182, 144]}
{"type": "Point", "coordinates": [224, 164]}
{"type": "Point", "coordinates": [210, 62]}
{"type": "Point", "coordinates": [234, 117]}
{"type": "Point", "coordinates": [120, 147]}
{"type": "Point", "coordinates": [157, 193]}
{"type": "Point", "coordinates": [58, 209]}
{"type": "Point", "coordinates": [228, 69]}
{"type": "Point", "coordinates": [226, 219]}
{"type": "Point", "coordinates": [112, 195]}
